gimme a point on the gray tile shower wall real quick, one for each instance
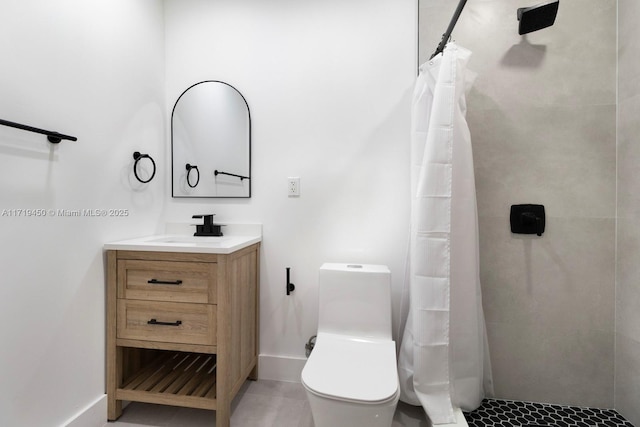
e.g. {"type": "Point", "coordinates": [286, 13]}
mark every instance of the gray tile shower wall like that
{"type": "Point", "coordinates": [542, 114]}
{"type": "Point", "coordinates": [627, 378]}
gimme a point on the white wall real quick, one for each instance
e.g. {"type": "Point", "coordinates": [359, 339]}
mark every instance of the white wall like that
{"type": "Point", "coordinates": [95, 70]}
{"type": "Point", "coordinates": [329, 86]}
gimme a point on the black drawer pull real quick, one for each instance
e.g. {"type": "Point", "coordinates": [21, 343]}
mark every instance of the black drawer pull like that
{"type": "Point", "coordinates": [155, 322]}
{"type": "Point", "coordinates": [164, 282]}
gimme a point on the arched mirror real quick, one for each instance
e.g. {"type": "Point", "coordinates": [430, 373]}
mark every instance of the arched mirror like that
{"type": "Point", "coordinates": [211, 142]}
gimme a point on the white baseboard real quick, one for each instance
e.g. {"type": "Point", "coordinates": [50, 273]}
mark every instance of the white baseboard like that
{"type": "Point", "coordinates": [94, 415]}
{"type": "Point", "coordinates": [280, 368]}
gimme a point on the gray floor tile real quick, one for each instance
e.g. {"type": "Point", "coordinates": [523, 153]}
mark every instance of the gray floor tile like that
{"type": "Point", "coordinates": [258, 404]}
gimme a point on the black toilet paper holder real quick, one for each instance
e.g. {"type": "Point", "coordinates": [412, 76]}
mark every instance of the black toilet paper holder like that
{"type": "Point", "coordinates": [290, 286]}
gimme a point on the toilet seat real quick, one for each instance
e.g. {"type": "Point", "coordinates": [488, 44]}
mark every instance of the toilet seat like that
{"type": "Point", "coordinates": [352, 369]}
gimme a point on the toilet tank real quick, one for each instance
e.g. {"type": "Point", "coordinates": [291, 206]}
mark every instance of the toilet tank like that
{"type": "Point", "coordinates": [355, 300]}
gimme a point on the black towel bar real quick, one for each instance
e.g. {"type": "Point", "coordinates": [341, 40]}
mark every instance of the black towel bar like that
{"type": "Point", "coordinates": [53, 137]}
{"type": "Point", "coordinates": [217, 172]}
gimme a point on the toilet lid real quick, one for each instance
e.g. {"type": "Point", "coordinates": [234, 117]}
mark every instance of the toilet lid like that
{"type": "Point", "coordinates": [350, 369]}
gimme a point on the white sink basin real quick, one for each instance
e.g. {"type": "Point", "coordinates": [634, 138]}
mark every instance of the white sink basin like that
{"type": "Point", "coordinates": [186, 243]}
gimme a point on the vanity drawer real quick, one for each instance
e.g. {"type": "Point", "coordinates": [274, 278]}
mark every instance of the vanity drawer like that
{"type": "Point", "coordinates": [172, 322]}
{"type": "Point", "coordinates": [167, 281]}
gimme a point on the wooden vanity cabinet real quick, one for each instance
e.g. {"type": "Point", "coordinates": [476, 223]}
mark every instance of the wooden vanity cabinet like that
{"type": "Point", "coordinates": [182, 328]}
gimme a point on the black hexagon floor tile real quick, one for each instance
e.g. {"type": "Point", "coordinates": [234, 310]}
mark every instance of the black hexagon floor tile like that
{"type": "Point", "coordinates": [507, 413]}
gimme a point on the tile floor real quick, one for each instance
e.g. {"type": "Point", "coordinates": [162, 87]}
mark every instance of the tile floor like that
{"type": "Point", "coordinates": [266, 403]}
{"type": "Point", "coordinates": [258, 404]}
{"type": "Point", "coordinates": [506, 413]}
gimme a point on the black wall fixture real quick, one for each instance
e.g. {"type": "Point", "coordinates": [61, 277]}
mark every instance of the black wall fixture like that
{"type": "Point", "coordinates": [208, 228]}
{"type": "Point", "coordinates": [527, 219]}
{"type": "Point", "coordinates": [290, 286]}
{"type": "Point", "coordinates": [217, 172]}
{"type": "Point", "coordinates": [137, 157]}
{"type": "Point", "coordinates": [537, 17]}
{"type": "Point", "coordinates": [53, 137]}
{"type": "Point", "coordinates": [189, 168]}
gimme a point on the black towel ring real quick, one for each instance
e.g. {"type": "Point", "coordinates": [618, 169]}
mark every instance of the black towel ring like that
{"type": "Point", "coordinates": [189, 168]}
{"type": "Point", "coordinates": [137, 156]}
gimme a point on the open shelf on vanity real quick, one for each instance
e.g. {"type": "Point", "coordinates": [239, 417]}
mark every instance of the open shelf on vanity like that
{"type": "Point", "coordinates": [172, 377]}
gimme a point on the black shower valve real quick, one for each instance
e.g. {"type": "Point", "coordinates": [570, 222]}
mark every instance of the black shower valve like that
{"type": "Point", "coordinates": [527, 219]}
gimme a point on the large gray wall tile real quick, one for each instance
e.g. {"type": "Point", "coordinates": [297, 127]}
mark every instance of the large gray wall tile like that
{"type": "Point", "coordinates": [628, 378]}
{"type": "Point", "coordinates": [570, 63]}
{"type": "Point", "coordinates": [627, 391]}
{"type": "Point", "coordinates": [628, 36]}
{"type": "Point", "coordinates": [549, 306]}
{"type": "Point", "coordinates": [629, 157]}
{"type": "Point", "coordinates": [567, 366]}
{"type": "Point", "coordinates": [628, 280]}
{"type": "Point", "coordinates": [562, 157]}
{"type": "Point", "coordinates": [565, 277]}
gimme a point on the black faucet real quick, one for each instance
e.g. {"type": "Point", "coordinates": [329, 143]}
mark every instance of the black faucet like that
{"type": "Point", "coordinates": [208, 228]}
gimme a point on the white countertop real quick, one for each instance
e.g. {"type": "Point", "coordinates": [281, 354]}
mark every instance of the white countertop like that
{"type": "Point", "coordinates": [235, 237]}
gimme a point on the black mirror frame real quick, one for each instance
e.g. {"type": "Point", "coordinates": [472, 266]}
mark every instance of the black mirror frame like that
{"type": "Point", "coordinates": [249, 151]}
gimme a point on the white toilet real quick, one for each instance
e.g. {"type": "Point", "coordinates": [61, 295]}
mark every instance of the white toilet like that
{"type": "Point", "coordinates": [351, 376]}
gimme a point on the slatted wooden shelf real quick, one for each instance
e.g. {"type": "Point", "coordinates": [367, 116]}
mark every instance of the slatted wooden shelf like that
{"type": "Point", "coordinates": [176, 378]}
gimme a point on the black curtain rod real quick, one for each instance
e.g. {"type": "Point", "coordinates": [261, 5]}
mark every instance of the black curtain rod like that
{"type": "Point", "coordinates": [452, 24]}
{"type": "Point", "coordinates": [53, 137]}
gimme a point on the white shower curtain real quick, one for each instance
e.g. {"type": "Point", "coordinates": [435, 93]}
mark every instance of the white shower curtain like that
{"type": "Point", "coordinates": [443, 361]}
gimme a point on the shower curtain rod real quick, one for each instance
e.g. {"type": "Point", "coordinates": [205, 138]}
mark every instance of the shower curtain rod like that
{"type": "Point", "coordinates": [452, 24]}
{"type": "Point", "coordinates": [53, 137]}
